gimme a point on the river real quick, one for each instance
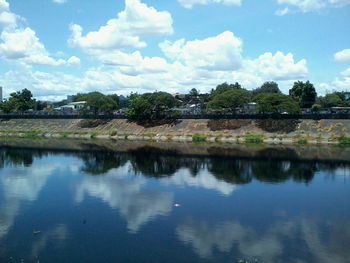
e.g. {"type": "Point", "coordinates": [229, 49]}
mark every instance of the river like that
{"type": "Point", "coordinates": [149, 205]}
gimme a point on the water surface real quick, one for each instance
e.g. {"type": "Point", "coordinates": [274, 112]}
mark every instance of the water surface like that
{"type": "Point", "coordinates": [158, 206]}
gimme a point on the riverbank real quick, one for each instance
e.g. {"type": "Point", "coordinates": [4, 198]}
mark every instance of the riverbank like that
{"type": "Point", "coordinates": [224, 131]}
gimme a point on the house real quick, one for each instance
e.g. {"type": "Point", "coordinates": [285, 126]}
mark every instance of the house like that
{"type": "Point", "coordinates": [73, 107]}
{"type": "Point", "coordinates": [78, 105]}
{"type": "Point", "coordinates": [250, 108]}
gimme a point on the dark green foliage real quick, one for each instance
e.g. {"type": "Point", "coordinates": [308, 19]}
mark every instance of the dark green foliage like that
{"type": "Point", "coordinates": [304, 93]}
{"type": "Point", "coordinates": [19, 101]}
{"type": "Point", "coordinates": [224, 87]}
{"type": "Point", "coordinates": [230, 99]}
{"type": "Point", "coordinates": [331, 100]}
{"type": "Point", "coordinates": [151, 106]}
{"type": "Point", "coordinates": [276, 103]}
{"type": "Point", "coordinates": [267, 87]}
{"type": "Point", "coordinates": [197, 137]}
{"type": "Point", "coordinates": [194, 92]}
{"type": "Point", "coordinates": [344, 140]}
{"type": "Point", "coordinates": [254, 138]}
{"type": "Point", "coordinates": [98, 103]}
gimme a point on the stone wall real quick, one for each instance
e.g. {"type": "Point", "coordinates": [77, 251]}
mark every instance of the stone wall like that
{"type": "Point", "coordinates": [285, 131]}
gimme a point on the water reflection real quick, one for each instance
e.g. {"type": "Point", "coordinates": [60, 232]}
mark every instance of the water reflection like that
{"type": "Point", "coordinates": [20, 185]}
{"type": "Point", "coordinates": [15, 157]}
{"type": "Point", "coordinates": [229, 219]}
{"type": "Point", "coordinates": [135, 203]}
{"type": "Point", "coordinates": [57, 235]}
{"type": "Point", "coordinates": [270, 245]}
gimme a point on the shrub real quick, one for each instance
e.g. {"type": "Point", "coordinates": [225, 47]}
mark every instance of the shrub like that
{"type": "Point", "coordinates": [254, 138]}
{"type": "Point", "coordinates": [302, 141]}
{"type": "Point", "coordinates": [344, 140]}
{"type": "Point", "coordinates": [32, 134]}
{"type": "Point", "coordinates": [197, 137]}
{"type": "Point", "coordinates": [93, 135]}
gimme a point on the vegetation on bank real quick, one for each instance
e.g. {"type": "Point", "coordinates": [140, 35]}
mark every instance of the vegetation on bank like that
{"type": "Point", "coordinates": [254, 138]}
{"type": "Point", "coordinates": [343, 140]}
{"type": "Point", "coordinates": [198, 137]}
{"type": "Point", "coordinates": [223, 99]}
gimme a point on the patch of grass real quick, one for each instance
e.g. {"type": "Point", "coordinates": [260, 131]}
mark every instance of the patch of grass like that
{"type": "Point", "coordinates": [64, 134]}
{"type": "Point", "coordinates": [33, 134]}
{"type": "Point", "coordinates": [150, 134]}
{"type": "Point", "coordinates": [254, 138]}
{"type": "Point", "coordinates": [198, 137]}
{"type": "Point", "coordinates": [343, 140]}
{"type": "Point", "coordinates": [93, 135]}
{"type": "Point", "coordinates": [302, 141]}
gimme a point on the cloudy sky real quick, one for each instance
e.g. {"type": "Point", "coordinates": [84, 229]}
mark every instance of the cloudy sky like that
{"type": "Point", "coordinates": [61, 47]}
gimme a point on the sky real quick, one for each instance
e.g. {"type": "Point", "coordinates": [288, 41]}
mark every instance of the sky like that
{"type": "Point", "coordinates": [57, 48]}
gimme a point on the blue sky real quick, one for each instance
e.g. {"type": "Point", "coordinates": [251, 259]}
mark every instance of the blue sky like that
{"type": "Point", "coordinates": [57, 47]}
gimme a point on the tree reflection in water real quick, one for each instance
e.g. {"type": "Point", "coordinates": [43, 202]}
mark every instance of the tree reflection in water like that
{"type": "Point", "coordinates": [154, 162]}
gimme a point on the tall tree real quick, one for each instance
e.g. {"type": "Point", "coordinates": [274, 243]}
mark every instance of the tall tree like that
{"type": "Point", "coordinates": [223, 88]}
{"type": "Point", "coordinates": [267, 87]}
{"type": "Point", "coordinates": [97, 102]}
{"type": "Point", "coordinates": [303, 93]}
{"type": "Point", "coordinates": [19, 101]}
{"type": "Point", "coordinates": [331, 100]}
{"type": "Point", "coordinates": [194, 92]}
{"type": "Point", "coordinates": [151, 106]}
{"type": "Point", "coordinates": [276, 103]}
{"type": "Point", "coordinates": [230, 99]}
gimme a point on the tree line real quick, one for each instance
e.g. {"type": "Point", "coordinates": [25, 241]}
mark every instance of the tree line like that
{"type": "Point", "coordinates": [224, 98]}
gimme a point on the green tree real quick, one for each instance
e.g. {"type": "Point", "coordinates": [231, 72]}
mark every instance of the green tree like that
{"type": "Point", "coordinates": [194, 92]}
{"type": "Point", "coordinates": [331, 100]}
{"type": "Point", "coordinates": [151, 106]}
{"type": "Point", "coordinates": [230, 99]}
{"type": "Point", "coordinates": [303, 93]}
{"type": "Point", "coordinates": [267, 87]}
{"type": "Point", "coordinates": [223, 88]}
{"type": "Point", "coordinates": [276, 103]}
{"type": "Point", "coordinates": [97, 102]}
{"type": "Point", "coordinates": [19, 101]}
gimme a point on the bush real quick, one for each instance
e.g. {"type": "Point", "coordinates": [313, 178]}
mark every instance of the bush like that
{"type": "Point", "coordinates": [302, 141]}
{"type": "Point", "coordinates": [344, 140]}
{"type": "Point", "coordinates": [197, 137]}
{"type": "Point", "coordinates": [254, 138]}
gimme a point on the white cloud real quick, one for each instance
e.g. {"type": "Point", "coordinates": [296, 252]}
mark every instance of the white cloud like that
{"type": "Point", "coordinates": [24, 46]}
{"type": "Point", "coordinates": [277, 66]}
{"type": "Point", "coordinates": [221, 53]}
{"type": "Point", "coordinates": [73, 61]}
{"type": "Point", "coordinates": [7, 18]}
{"type": "Point", "coordinates": [59, 1]}
{"type": "Point", "coordinates": [282, 12]}
{"type": "Point", "coordinates": [343, 55]}
{"type": "Point", "coordinates": [311, 5]}
{"type": "Point", "coordinates": [137, 20]}
{"type": "Point", "coordinates": [346, 72]}
{"type": "Point", "coordinates": [340, 83]}
{"type": "Point", "coordinates": [191, 3]}
{"type": "Point", "coordinates": [21, 45]}
{"type": "Point", "coordinates": [125, 72]}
